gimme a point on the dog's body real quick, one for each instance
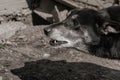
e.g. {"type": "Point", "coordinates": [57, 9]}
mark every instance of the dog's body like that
{"type": "Point", "coordinates": [96, 32]}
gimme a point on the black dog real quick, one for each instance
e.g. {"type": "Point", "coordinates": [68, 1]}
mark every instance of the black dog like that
{"type": "Point", "coordinates": [96, 32]}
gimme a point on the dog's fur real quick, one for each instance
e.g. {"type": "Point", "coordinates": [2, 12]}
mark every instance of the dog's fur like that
{"type": "Point", "coordinates": [96, 32]}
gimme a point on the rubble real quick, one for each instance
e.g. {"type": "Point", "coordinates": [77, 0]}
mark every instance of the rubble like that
{"type": "Point", "coordinates": [56, 7]}
{"type": "Point", "coordinates": [49, 11]}
{"type": "Point", "coordinates": [50, 14]}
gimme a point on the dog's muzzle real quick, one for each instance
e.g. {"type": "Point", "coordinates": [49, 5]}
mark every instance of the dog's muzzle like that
{"type": "Point", "coordinates": [53, 42]}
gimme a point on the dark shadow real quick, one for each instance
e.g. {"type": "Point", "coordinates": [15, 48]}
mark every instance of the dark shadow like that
{"type": "Point", "coordinates": [37, 20]}
{"type": "Point", "coordinates": [32, 4]}
{"type": "Point", "coordinates": [45, 6]}
{"type": "Point", "coordinates": [62, 70]}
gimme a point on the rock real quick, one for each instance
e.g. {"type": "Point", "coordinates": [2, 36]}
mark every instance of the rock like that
{"type": "Point", "coordinates": [46, 55]}
{"type": "Point", "coordinates": [9, 29]}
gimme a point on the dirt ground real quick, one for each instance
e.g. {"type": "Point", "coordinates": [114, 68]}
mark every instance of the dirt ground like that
{"type": "Point", "coordinates": [27, 55]}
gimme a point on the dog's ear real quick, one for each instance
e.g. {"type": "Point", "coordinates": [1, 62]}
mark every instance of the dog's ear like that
{"type": "Point", "coordinates": [110, 28]}
{"type": "Point", "coordinates": [105, 25]}
{"type": "Point", "coordinates": [72, 19]}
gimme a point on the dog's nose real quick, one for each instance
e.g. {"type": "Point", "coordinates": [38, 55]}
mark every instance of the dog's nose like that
{"type": "Point", "coordinates": [47, 30]}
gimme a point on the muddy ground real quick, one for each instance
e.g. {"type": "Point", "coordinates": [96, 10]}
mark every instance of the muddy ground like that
{"type": "Point", "coordinates": [28, 56]}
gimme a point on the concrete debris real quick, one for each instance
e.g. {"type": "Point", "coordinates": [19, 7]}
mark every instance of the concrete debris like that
{"type": "Point", "coordinates": [59, 15]}
{"type": "Point", "coordinates": [45, 16]}
{"type": "Point", "coordinates": [68, 3]}
{"type": "Point", "coordinates": [49, 10]}
{"type": "Point", "coordinates": [56, 14]}
{"type": "Point", "coordinates": [88, 3]}
{"type": "Point", "coordinates": [57, 7]}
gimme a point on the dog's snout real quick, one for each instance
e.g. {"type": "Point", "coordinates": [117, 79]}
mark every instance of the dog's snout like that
{"type": "Point", "coordinates": [47, 30]}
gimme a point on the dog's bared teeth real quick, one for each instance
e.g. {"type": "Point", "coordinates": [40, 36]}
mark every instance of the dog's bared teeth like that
{"type": "Point", "coordinates": [56, 42]}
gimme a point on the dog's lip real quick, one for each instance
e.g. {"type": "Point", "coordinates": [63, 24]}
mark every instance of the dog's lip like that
{"type": "Point", "coordinates": [54, 42]}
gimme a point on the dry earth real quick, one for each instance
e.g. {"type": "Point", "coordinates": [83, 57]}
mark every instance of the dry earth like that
{"type": "Point", "coordinates": [28, 56]}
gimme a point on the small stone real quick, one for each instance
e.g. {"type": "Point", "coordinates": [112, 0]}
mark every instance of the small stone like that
{"type": "Point", "coordinates": [46, 55]}
{"type": "Point", "coordinates": [21, 37]}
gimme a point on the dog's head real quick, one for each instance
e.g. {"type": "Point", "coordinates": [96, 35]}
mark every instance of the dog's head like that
{"type": "Point", "coordinates": [80, 28]}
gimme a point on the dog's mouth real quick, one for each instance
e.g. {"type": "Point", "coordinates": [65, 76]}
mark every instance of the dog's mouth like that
{"type": "Point", "coordinates": [54, 42]}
